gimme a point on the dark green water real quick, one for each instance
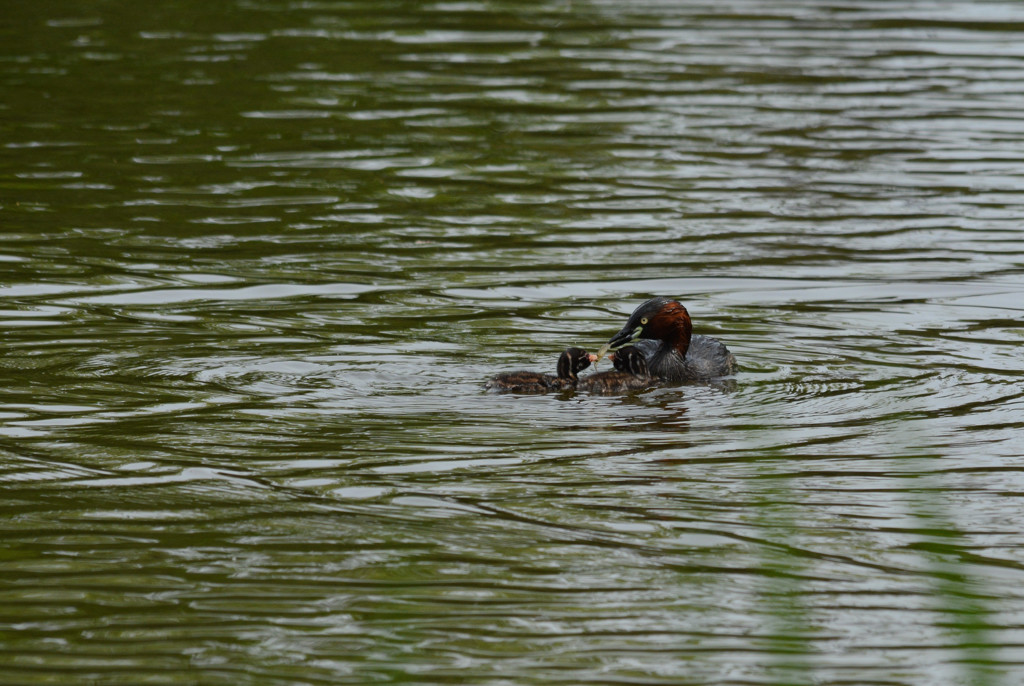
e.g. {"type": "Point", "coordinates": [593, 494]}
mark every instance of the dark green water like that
{"type": "Point", "coordinates": [259, 257]}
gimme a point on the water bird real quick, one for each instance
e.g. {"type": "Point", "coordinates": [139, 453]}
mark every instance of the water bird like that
{"type": "Point", "coordinates": [661, 329]}
{"type": "Point", "coordinates": [570, 364]}
{"type": "Point", "coordinates": [630, 375]}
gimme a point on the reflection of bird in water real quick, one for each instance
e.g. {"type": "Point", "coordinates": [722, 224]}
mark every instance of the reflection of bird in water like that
{"type": "Point", "coordinates": [662, 330]}
{"type": "Point", "coordinates": [570, 364]}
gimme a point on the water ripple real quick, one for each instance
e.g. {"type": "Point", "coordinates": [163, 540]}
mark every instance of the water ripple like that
{"type": "Point", "coordinates": [258, 264]}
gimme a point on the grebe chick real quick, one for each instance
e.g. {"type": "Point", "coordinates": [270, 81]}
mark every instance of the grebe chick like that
{"type": "Point", "coordinates": [570, 363]}
{"type": "Point", "coordinates": [630, 375]}
{"type": "Point", "coordinates": [662, 330]}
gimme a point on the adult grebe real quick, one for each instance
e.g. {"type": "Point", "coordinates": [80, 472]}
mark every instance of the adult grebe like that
{"type": "Point", "coordinates": [662, 330]}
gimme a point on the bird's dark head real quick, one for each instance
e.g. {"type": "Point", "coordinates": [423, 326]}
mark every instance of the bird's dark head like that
{"type": "Point", "coordinates": [659, 319]}
{"type": "Point", "coordinates": [572, 362]}
{"type": "Point", "coordinates": [630, 360]}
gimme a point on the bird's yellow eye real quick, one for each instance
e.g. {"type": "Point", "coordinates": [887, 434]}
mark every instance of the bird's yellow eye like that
{"type": "Point", "coordinates": [643, 320]}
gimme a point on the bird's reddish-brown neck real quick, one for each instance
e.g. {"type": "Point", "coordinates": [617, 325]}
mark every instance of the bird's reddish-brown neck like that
{"type": "Point", "coordinates": [673, 327]}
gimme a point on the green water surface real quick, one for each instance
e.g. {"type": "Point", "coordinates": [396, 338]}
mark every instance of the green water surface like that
{"type": "Point", "coordinates": [258, 258]}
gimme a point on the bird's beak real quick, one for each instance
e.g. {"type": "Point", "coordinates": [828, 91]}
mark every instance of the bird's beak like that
{"type": "Point", "coordinates": [620, 340]}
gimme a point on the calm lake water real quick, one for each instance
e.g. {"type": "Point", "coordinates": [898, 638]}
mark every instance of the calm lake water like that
{"type": "Point", "coordinates": [259, 257]}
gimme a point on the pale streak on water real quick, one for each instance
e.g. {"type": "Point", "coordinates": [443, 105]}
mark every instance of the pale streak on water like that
{"type": "Point", "coordinates": [258, 259]}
